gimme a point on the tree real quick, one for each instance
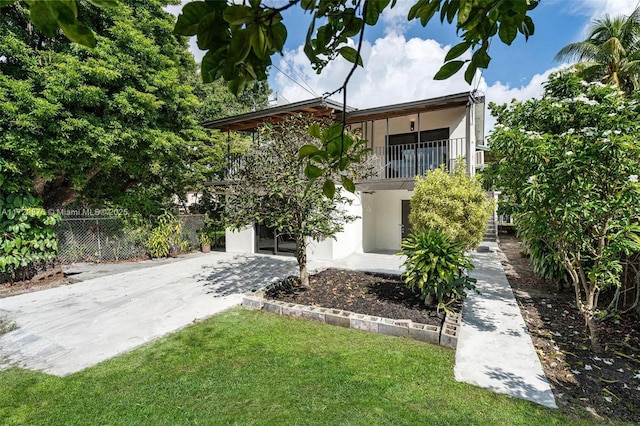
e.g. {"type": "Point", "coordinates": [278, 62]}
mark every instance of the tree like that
{"type": "Point", "coordinates": [113, 124]}
{"type": "Point", "coordinates": [568, 167]}
{"type": "Point", "coordinates": [240, 40]}
{"type": "Point", "coordinates": [611, 52]}
{"type": "Point", "coordinates": [273, 190]}
{"type": "Point", "coordinates": [454, 203]}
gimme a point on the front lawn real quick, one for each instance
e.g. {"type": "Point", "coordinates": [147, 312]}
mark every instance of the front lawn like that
{"type": "Point", "coordinates": [251, 367]}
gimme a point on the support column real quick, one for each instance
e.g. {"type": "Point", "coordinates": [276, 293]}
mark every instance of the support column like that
{"type": "Point", "coordinates": [470, 154]}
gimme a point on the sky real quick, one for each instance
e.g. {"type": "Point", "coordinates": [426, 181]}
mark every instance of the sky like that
{"type": "Point", "coordinates": [401, 57]}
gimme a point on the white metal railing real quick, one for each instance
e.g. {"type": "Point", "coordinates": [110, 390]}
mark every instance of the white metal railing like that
{"type": "Point", "coordinates": [408, 160]}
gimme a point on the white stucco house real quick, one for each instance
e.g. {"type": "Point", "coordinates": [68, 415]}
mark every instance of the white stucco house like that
{"type": "Point", "coordinates": [406, 139]}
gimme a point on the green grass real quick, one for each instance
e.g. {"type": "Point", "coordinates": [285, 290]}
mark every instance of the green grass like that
{"type": "Point", "coordinates": [246, 367]}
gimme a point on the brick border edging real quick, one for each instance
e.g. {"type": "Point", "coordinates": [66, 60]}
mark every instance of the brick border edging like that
{"type": "Point", "coordinates": [446, 336]}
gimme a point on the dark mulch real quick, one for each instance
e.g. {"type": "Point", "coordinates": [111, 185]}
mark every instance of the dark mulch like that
{"type": "Point", "coordinates": [606, 385]}
{"type": "Point", "coordinates": [365, 293]}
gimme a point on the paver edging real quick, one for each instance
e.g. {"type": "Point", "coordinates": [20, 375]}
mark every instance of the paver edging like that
{"type": "Point", "coordinates": [446, 336]}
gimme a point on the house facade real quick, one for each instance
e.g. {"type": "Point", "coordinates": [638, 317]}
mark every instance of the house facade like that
{"type": "Point", "coordinates": [406, 140]}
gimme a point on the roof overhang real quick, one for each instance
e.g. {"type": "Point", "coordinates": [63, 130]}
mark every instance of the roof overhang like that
{"type": "Point", "coordinates": [327, 108]}
{"type": "Point", "coordinates": [252, 120]}
{"type": "Point", "coordinates": [415, 107]}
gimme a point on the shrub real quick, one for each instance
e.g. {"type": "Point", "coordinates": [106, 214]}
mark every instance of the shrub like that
{"type": "Point", "coordinates": [452, 202]}
{"type": "Point", "coordinates": [166, 237]}
{"type": "Point", "coordinates": [436, 266]}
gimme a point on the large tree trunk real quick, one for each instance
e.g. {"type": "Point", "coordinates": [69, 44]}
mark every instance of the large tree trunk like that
{"type": "Point", "coordinates": [301, 257]}
{"type": "Point", "coordinates": [59, 192]}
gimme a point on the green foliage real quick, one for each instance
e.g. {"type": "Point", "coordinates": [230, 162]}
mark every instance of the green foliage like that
{"type": "Point", "coordinates": [166, 236]}
{"type": "Point", "coordinates": [206, 236]}
{"type": "Point", "coordinates": [49, 16]}
{"type": "Point", "coordinates": [241, 38]}
{"type": "Point", "coordinates": [274, 189]}
{"type": "Point", "coordinates": [477, 23]}
{"type": "Point", "coordinates": [115, 124]}
{"type": "Point", "coordinates": [544, 261]}
{"type": "Point", "coordinates": [337, 151]}
{"type": "Point", "coordinates": [436, 266]}
{"type": "Point", "coordinates": [610, 53]}
{"type": "Point", "coordinates": [568, 167]}
{"type": "Point", "coordinates": [26, 230]}
{"type": "Point", "coordinates": [452, 202]}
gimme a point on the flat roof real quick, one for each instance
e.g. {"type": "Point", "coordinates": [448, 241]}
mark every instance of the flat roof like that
{"type": "Point", "coordinates": [328, 108]}
{"type": "Point", "coordinates": [252, 120]}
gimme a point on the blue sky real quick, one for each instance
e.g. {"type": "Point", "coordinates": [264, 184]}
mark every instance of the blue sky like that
{"type": "Point", "coordinates": [401, 57]}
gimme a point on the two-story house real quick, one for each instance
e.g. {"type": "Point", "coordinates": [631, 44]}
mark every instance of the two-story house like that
{"type": "Point", "coordinates": [406, 140]}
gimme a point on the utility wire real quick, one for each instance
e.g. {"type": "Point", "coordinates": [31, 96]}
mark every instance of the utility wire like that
{"type": "Point", "coordinates": [293, 80]}
{"type": "Point", "coordinates": [302, 79]}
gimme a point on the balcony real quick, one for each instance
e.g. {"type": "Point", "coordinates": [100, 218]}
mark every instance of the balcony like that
{"type": "Point", "coordinates": [399, 163]}
{"type": "Point", "coordinates": [403, 162]}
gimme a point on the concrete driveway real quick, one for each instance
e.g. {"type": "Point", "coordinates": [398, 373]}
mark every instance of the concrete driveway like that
{"type": "Point", "coordinates": [66, 329]}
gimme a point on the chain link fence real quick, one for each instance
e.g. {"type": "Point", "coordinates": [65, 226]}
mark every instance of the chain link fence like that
{"type": "Point", "coordinates": [110, 239]}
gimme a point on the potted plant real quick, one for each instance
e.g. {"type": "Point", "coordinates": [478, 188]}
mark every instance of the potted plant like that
{"type": "Point", "coordinates": [205, 240]}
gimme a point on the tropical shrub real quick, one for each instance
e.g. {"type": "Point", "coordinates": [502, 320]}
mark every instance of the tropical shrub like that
{"type": "Point", "coordinates": [568, 165]}
{"type": "Point", "coordinates": [453, 202]}
{"type": "Point", "coordinates": [27, 238]}
{"type": "Point", "coordinates": [436, 266]}
{"type": "Point", "coordinates": [166, 236]}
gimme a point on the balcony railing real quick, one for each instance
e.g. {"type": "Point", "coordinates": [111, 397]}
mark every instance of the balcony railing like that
{"type": "Point", "coordinates": [398, 161]}
{"type": "Point", "coordinates": [407, 161]}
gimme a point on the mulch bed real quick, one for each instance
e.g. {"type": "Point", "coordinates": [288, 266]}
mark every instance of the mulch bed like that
{"type": "Point", "coordinates": [606, 385]}
{"type": "Point", "coordinates": [365, 293]}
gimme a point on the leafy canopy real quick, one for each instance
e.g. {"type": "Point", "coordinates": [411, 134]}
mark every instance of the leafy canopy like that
{"type": "Point", "coordinates": [241, 38]}
{"type": "Point", "coordinates": [610, 53]}
{"type": "Point", "coordinates": [568, 165]}
{"type": "Point", "coordinates": [273, 190]}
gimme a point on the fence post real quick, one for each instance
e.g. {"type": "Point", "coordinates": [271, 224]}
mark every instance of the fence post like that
{"type": "Point", "coordinates": [99, 246]}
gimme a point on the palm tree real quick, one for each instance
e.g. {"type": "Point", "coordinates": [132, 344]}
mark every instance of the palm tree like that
{"type": "Point", "coordinates": [611, 53]}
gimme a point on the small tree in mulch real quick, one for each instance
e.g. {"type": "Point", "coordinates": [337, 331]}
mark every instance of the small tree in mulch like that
{"type": "Point", "coordinates": [273, 189]}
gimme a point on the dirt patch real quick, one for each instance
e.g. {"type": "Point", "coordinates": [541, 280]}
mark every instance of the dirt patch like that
{"type": "Point", "coordinates": [50, 278]}
{"type": "Point", "coordinates": [607, 385]}
{"type": "Point", "coordinates": [365, 293]}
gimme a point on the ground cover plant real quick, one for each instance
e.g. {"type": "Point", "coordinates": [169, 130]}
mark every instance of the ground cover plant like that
{"type": "Point", "coordinates": [248, 367]}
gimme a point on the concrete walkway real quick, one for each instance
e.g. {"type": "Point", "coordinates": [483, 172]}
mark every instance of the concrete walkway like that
{"type": "Point", "coordinates": [116, 308]}
{"type": "Point", "coordinates": [66, 329]}
{"type": "Point", "coordinates": [494, 349]}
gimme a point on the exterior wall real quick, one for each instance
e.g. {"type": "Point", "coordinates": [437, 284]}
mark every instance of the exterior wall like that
{"type": "Point", "coordinates": [243, 241]}
{"type": "Point", "coordinates": [346, 242]}
{"type": "Point", "coordinates": [350, 239]}
{"type": "Point", "coordinates": [368, 222]}
{"type": "Point", "coordinates": [453, 118]}
{"type": "Point", "coordinates": [384, 232]}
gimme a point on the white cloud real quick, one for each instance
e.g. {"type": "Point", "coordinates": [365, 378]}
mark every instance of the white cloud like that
{"type": "Point", "coordinates": [396, 70]}
{"type": "Point", "coordinates": [500, 93]}
{"type": "Point", "coordinates": [598, 8]}
{"type": "Point", "coordinates": [395, 19]}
